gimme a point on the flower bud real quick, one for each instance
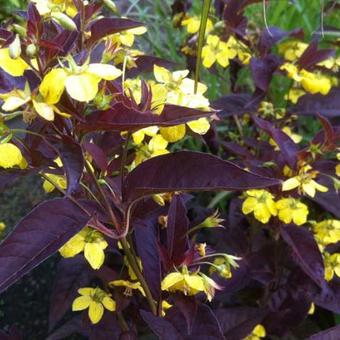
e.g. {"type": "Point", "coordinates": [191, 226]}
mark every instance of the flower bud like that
{"type": "Point", "coordinates": [110, 5]}
{"type": "Point", "coordinates": [212, 221]}
{"type": "Point", "coordinates": [15, 48]}
{"type": "Point", "coordinates": [64, 21]}
{"type": "Point", "coordinates": [20, 30]}
{"type": "Point", "coordinates": [31, 50]}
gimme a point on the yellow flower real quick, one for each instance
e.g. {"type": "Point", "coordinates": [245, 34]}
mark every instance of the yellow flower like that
{"type": "Point", "coordinates": [89, 241]}
{"type": "Point", "coordinates": [81, 82]}
{"type": "Point", "coordinates": [14, 67]}
{"type": "Point", "coordinates": [165, 306]}
{"type": "Point", "coordinates": [292, 71]}
{"type": "Point", "coordinates": [294, 94]}
{"type": "Point", "coordinates": [291, 209]}
{"type": "Point", "coordinates": [2, 227]}
{"type": "Point", "coordinates": [218, 51]}
{"type": "Point", "coordinates": [127, 37]}
{"type": "Point", "coordinates": [327, 231]}
{"type": "Point", "coordinates": [193, 24]}
{"type": "Point", "coordinates": [292, 50]}
{"type": "Point", "coordinates": [337, 170]}
{"type": "Point", "coordinates": [315, 82]}
{"type": "Point", "coordinates": [17, 98]}
{"type": "Point", "coordinates": [189, 283]}
{"type": "Point", "coordinates": [332, 265]}
{"type": "Point", "coordinates": [287, 130]}
{"type": "Point", "coordinates": [311, 309]}
{"type": "Point", "coordinates": [261, 203]}
{"type": "Point", "coordinates": [130, 286]}
{"type": "Point", "coordinates": [304, 182]}
{"type": "Point", "coordinates": [222, 266]}
{"type": "Point", "coordinates": [46, 7]}
{"type": "Point", "coordinates": [95, 299]}
{"type": "Point", "coordinates": [173, 133]}
{"type": "Point", "coordinates": [257, 333]}
{"type": "Point", "coordinates": [11, 156]}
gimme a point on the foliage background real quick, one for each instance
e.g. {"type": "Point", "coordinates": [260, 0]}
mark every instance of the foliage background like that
{"type": "Point", "coordinates": [26, 303]}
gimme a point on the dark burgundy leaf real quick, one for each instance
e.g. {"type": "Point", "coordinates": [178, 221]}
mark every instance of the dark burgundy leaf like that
{"type": "Point", "coordinates": [177, 228]}
{"type": "Point", "coordinates": [34, 23]}
{"type": "Point", "coordinates": [329, 200]}
{"type": "Point", "coordinates": [106, 26]}
{"type": "Point", "coordinates": [72, 158]}
{"type": "Point", "coordinates": [71, 275]}
{"type": "Point", "coordinates": [328, 298]}
{"type": "Point", "coordinates": [189, 171]}
{"type": "Point", "coordinates": [161, 327]}
{"type": "Point", "coordinates": [146, 238]}
{"type": "Point", "coordinates": [97, 154]}
{"type": "Point", "coordinates": [263, 69]}
{"type": "Point", "coordinates": [66, 330]}
{"type": "Point", "coordinates": [328, 105]}
{"type": "Point", "coordinates": [145, 63]}
{"type": "Point", "coordinates": [238, 322]}
{"type": "Point", "coordinates": [39, 235]}
{"type": "Point", "coordinates": [188, 307]}
{"type": "Point", "coordinates": [285, 143]}
{"type": "Point", "coordinates": [235, 104]}
{"type": "Point", "coordinates": [329, 334]}
{"type": "Point", "coordinates": [122, 118]}
{"type": "Point", "coordinates": [312, 56]}
{"type": "Point", "coordinates": [305, 251]}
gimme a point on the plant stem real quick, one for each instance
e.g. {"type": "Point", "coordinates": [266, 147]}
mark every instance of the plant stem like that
{"type": "Point", "coordinates": [102, 194]}
{"type": "Point", "coordinates": [135, 267]}
{"type": "Point", "coordinates": [122, 323]}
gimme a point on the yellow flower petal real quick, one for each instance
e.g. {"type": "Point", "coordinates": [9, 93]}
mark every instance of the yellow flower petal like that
{"type": "Point", "coordinates": [249, 205]}
{"type": "Point", "coordinates": [290, 184]}
{"type": "Point", "coordinates": [171, 280]}
{"type": "Point", "coordinates": [44, 110]}
{"type": "Point", "coordinates": [81, 303]}
{"type": "Point", "coordinates": [73, 247]}
{"type": "Point", "coordinates": [14, 67]}
{"type": "Point", "coordinates": [173, 133]}
{"type": "Point", "coordinates": [104, 71]}
{"type": "Point", "coordinates": [10, 155]}
{"type": "Point", "coordinates": [94, 254]}
{"type": "Point", "coordinates": [96, 311]}
{"type": "Point", "coordinates": [13, 103]}
{"type": "Point", "coordinates": [200, 126]}
{"type": "Point", "coordinates": [194, 281]}
{"type": "Point", "coordinates": [53, 85]}
{"type": "Point", "coordinates": [86, 291]}
{"type": "Point", "coordinates": [109, 303]}
{"type": "Point", "coordinates": [82, 87]}
{"type": "Point", "coordinates": [162, 75]}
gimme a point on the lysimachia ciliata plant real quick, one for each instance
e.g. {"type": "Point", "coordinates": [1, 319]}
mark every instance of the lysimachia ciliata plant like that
{"type": "Point", "coordinates": [101, 124]}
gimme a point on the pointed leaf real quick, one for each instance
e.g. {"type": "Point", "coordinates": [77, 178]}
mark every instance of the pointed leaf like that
{"type": "Point", "coordinates": [305, 252]}
{"type": "Point", "coordinates": [107, 26]}
{"type": "Point", "coordinates": [189, 171]}
{"type": "Point", "coordinates": [71, 275]}
{"type": "Point", "coordinates": [39, 235]}
{"type": "Point", "coordinates": [328, 334]}
{"type": "Point", "coordinates": [177, 227]}
{"type": "Point", "coordinates": [122, 118]}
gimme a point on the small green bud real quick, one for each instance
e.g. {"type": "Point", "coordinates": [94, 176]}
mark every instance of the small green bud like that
{"type": "Point", "coordinates": [110, 5]}
{"type": "Point", "coordinates": [15, 48]}
{"type": "Point", "coordinates": [212, 221]}
{"type": "Point", "coordinates": [20, 30]}
{"type": "Point", "coordinates": [31, 50]}
{"type": "Point", "coordinates": [64, 21]}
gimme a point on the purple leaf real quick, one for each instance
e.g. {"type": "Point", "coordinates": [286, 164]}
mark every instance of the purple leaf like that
{"type": "Point", "coordinates": [235, 104]}
{"type": "Point", "coordinates": [313, 104]}
{"type": "Point", "coordinates": [238, 322]}
{"type": "Point", "coordinates": [73, 161]}
{"type": "Point", "coordinates": [97, 154]}
{"type": "Point", "coordinates": [177, 228]}
{"type": "Point", "coordinates": [312, 56]}
{"type": "Point", "coordinates": [305, 252]}
{"type": "Point", "coordinates": [123, 118]}
{"type": "Point", "coordinates": [262, 70]}
{"type": "Point", "coordinates": [39, 235]}
{"type": "Point", "coordinates": [146, 237]}
{"type": "Point", "coordinates": [189, 171]}
{"type": "Point", "coordinates": [161, 327]}
{"type": "Point", "coordinates": [329, 334]}
{"type": "Point", "coordinates": [107, 26]}
{"type": "Point", "coordinates": [71, 275]}
{"type": "Point", "coordinates": [285, 143]}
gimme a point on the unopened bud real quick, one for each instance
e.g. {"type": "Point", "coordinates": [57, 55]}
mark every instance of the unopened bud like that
{"type": "Point", "coordinates": [212, 221]}
{"type": "Point", "coordinates": [15, 48]}
{"type": "Point", "coordinates": [64, 21]}
{"type": "Point", "coordinates": [31, 50]}
{"type": "Point", "coordinates": [110, 5]}
{"type": "Point", "coordinates": [20, 30]}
